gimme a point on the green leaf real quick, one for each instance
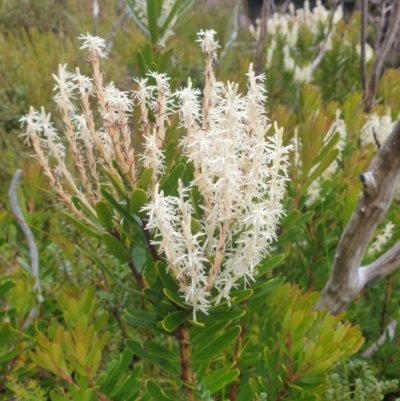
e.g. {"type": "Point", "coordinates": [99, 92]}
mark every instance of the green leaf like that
{"type": "Point", "coordinates": [5, 287]}
{"type": "Point", "coordinates": [240, 295]}
{"type": "Point", "coordinates": [115, 247]}
{"type": "Point", "coordinates": [185, 6]}
{"type": "Point", "coordinates": [145, 178]}
{"type": "Point", "coordinates": [269, 264]}
{"type": "Point", "coordinates": [220, 378]}
{"type": "Point", "coordinates": [130, 387]}
{"type": "Point", "coordinates": [117, 207]}
{"type": "Point", "coordinates": [205, 349]}
{"type": "Point", "coordinates": [200, 333]}
{"type": "Point", "coordinates": [116, 373]}
{"type": "Point", "coordinates": [82, 227]}
{"type": "Point", "coordinates": [151, 386]}
{"type": "Point", "coordinates": [290, 218]}
{"type": "Point", "coordinates": [142, 65]}
{"type": "Point", "coordinates": [173, 320]}
{"type": "Point", "coordinates": [196, 201]}
{"type": "Point", "coordinates": [175, 298]}
{"type": "Point", "coordinates": [325, 163]}
{"type": "Point", "coordinates": [169, 366]}
{"type": "Point", "coordinates": [304, 218]}
{"type": "Point", "coordinates": [166, 278]}
{"type": "Point", "coordinates": [104, 215]}
{"type": "Point", "coordinates": [327, 147]}
{"type": "Point", "coordinates": [170, 183]}
{"type": "Point", "coordinates": [136, 18]}
{"type": "Point", "coordinates": [224, 315]}
{"type": "Point", "coordinates": [138, 200]}
{"type": "Point", "coordinates": [161, 351]}
{"type": "Point", "coordinates": [140, 318]}
{"type": "Point", "coordinates": [115, 184]}
{"type": "Point", "coordinates": [152, 19]}
{"type": "Point", "coordinates": [289, 235]}
{"type": "Point", "coordinates": [81, 206]}
{"type": "Point", "coordinates": [171, 15]}
{"type": "Point", "coordinates": [107, 271]}
{"type": "Point", "coordinates": [55, 397]}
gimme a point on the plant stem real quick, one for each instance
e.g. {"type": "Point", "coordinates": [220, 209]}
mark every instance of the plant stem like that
{"type": "Point", "coordinates": [136, 274]}
{"type": "Point", "coordinates": [182, 335]}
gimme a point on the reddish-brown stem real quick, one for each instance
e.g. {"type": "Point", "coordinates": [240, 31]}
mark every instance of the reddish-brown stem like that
{"type": "Point", "coordinates": [182, 335]}
{"type": "Point", "coordinates": [136, 274]}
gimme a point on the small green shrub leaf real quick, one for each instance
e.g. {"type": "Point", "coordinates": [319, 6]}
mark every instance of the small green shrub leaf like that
{"type": "Point", "coordinates": [115, 247]}
{"type": "Point", "coordinates": [173, 320]}
{"type": "Point", "coordinates": [104, 215]}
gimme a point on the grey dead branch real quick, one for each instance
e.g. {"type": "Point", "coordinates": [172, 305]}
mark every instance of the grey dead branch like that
{"type": "Point", "coordinates": [348, 278]}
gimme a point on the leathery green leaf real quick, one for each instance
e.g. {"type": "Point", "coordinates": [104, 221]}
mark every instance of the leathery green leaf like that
{"type": "Point", "coordinates": [173, 320]}
{"type": "Point", "coordinates": [269, 264]}
{"type": "Point", "coordinates": [166, 278]}
{"type": "Point", "coordinates": [138, 349]}
{"type": "Point", "coordinates": [154, 389]}
{"type": "Point", "coordinates": [170, 183]}
{"type": "Point", "coordinates": [220, 378]}
{"type": "Point", "coordinates": [224, 315]}
{"type": "Point", "coordinates": [175, 298]}
{"type": "Point", "coordinates": [145, 178]}
{"type": "Point", "coordinates": [138, 200]}
{"type": "Point", "coordinates": [205, 349]}
{"type": "Point", "coordinates": [82, 227]}
{"type": "Point", "coordinates": [152, 18]}
{"type": "Point", "coordinates": [141, 318]}
{"type": "Point", "coordinates": [115, 247]}
{"type": "Point", "coordinates": [104, 215]}
{"type": "Point", "coordinates": [200, 333]}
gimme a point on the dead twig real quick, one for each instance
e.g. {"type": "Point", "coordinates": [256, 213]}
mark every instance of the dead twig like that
{"type": "Point", "coordinates": [322, 49]}
{"type": "Point", "coordinates": [381, 55]}
{"type": "Point", "coordinates": [261, 39]}
{"type": "Point", "coordinates": [33, 251]}
{"type": "Point", "coordinates": [347, 278]}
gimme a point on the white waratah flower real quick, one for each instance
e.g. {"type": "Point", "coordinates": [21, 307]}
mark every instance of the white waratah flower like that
{"type": "Point", "coordinates": [287, 26]}
{"type": "Point", "coordinates": [240, 173]}
{"type": "Point", "coordinates": [95, 44]}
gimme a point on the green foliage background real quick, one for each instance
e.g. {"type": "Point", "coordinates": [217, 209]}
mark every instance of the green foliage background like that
{"type": "Point", "coordinates": [252, 348]}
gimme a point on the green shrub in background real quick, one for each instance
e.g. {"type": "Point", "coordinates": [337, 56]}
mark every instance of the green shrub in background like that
{"type": "Point", "coordinates": [266, 341]}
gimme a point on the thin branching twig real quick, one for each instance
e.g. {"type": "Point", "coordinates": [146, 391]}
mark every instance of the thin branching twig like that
{"type": "Point", "coordinates": [323, 48]}
{"type": "Point", "coordinates": [261, 39]}
{"type": "Point", "coordinates": [33, 251]}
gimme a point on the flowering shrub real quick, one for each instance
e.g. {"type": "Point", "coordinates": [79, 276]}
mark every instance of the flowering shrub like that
{"type": "Point", "coordinates": [238, 172]}
{"type": "Point", "coordinates": [194, 224]}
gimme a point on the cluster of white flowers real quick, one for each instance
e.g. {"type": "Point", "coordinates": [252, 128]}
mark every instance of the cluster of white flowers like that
{"type": "Point", "coordinates": [239, 171]}
{"type": "Point", "coordinates": [288, 25]}
{"type": "Point", "coordinates": [337, 127]}
{"type": "Point", "coordinates": [381, 240]}
{"type": "Point", "coordinates": [240, 174]}
{"type": "Point", "coordinates": [89, 145]}
{"type": "Point", "coordinates": [382, 126]}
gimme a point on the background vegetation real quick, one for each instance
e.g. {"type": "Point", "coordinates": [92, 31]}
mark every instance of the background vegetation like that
{"type": "Point", "coordinates": [95, 303]}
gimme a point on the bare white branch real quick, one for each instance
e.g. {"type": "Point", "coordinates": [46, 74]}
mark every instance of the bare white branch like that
{"type": "Point", "coordinates": [347, 279]}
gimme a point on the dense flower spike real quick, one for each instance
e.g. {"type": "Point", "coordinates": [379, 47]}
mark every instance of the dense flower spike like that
{"type": "Point", "coordinates": [239, 172]}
